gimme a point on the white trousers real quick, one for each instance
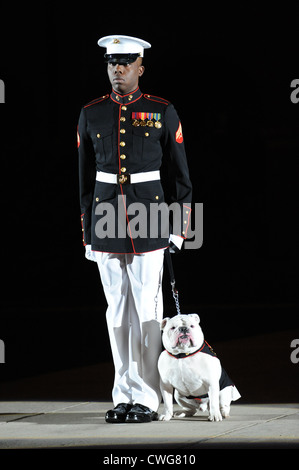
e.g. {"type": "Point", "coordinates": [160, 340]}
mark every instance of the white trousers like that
{"type": "Point", "coordinates": [133, 290]}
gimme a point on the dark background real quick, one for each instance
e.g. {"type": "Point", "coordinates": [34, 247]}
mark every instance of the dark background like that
{"type": "Point", "coordinates": [228, 72]}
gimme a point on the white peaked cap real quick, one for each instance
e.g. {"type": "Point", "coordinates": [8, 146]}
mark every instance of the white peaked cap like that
{"type": "Point", "coordinates": [117, 44]}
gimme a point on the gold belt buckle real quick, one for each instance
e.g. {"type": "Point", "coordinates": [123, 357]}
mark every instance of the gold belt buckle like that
{"type": "Point", "coordinates": [124, 179]}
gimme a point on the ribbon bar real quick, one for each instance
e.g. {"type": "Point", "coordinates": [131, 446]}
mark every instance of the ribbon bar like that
{"type": "Point", "coordinates": [144, 116]}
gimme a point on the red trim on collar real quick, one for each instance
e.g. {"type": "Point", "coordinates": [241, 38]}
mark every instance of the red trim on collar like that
{"type": "Point", "coordinates": [127, 99]}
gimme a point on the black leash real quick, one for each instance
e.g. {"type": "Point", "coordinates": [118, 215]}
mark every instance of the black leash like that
{"type": "Point", "coordinates": [175, 292]}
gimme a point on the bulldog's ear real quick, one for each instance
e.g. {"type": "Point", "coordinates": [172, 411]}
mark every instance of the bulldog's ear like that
{"type": "Point", "coordinates": [195, 316]}
{"type": "Point", "coordinates": [163, 323]}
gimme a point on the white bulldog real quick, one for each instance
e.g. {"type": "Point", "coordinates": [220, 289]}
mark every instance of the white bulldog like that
{"type": "Point", "coordinates": [190, 366]}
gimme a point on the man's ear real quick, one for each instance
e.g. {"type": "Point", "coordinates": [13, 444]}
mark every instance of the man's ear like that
{"type": "Point", "coordinates": [141, 70]}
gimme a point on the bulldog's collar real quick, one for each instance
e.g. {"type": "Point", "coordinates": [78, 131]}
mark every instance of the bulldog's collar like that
{"type": "Point", "coordinates": [204, 348]}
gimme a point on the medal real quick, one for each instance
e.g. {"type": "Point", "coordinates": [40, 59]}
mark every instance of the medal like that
{"type": "Point", "coordinates": [146, 119]}
{"type": "Point", "coordinates": [158, 124]}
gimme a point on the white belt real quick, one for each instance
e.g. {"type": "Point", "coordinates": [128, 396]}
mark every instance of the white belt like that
{"type": "Point", "coordinates": [128, 178]}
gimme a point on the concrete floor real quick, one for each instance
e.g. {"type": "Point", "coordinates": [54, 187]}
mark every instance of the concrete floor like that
{"type": "Point", "coordinates": [45, 425]}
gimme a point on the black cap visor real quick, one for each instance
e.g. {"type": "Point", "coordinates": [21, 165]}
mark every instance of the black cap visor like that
{"type": "Point", "coordinates": [121, 59]}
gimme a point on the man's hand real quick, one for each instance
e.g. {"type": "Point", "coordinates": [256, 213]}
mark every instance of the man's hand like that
{"type": "Point", "coordinates": [175, 243]}
{"type": "Point", "coordinates": [89, 254]}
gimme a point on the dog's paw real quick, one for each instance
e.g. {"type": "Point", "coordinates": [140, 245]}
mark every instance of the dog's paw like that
{"type": "Point", "coordinates": [180, 414]}
{"type": "Point", "coordinates": [184, 414]}
{"type": "Point", "coordinates": [203, 407]}
{"type": "Point", "coordinates": [216, 416]}
{"type": "Point", "coordinates": [225, 411]}
{"type": "Point", "coordinates": [165, 417]}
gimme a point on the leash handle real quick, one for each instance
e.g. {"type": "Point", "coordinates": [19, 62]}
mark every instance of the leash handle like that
{"type": "Point", "coordinates": [175, 292]}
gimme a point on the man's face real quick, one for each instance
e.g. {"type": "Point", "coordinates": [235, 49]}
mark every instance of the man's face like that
{"type": "Point", "coordinates": [124, 78]}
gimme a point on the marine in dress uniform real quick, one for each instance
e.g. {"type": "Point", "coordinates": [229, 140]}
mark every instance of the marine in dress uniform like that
{"type": "Point", "coordinates": [123, 138]}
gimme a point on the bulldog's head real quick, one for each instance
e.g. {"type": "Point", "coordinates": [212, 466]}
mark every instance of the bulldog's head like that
{"type": "Point", "coordinates": [182, 333]}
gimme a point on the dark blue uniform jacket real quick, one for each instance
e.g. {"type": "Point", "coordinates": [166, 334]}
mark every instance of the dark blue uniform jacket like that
{"type": "Point", "coordinates": [124, 135]}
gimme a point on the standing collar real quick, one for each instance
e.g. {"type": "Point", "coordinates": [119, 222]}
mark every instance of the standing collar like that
{"type": "Point", "coordinates": [126, 99]}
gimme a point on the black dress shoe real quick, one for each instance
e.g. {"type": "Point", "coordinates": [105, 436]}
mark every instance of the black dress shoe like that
{"type": "Point", "coordinates": [118, 414]}
{"type": "Point", "coordinates": [141, 414]}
